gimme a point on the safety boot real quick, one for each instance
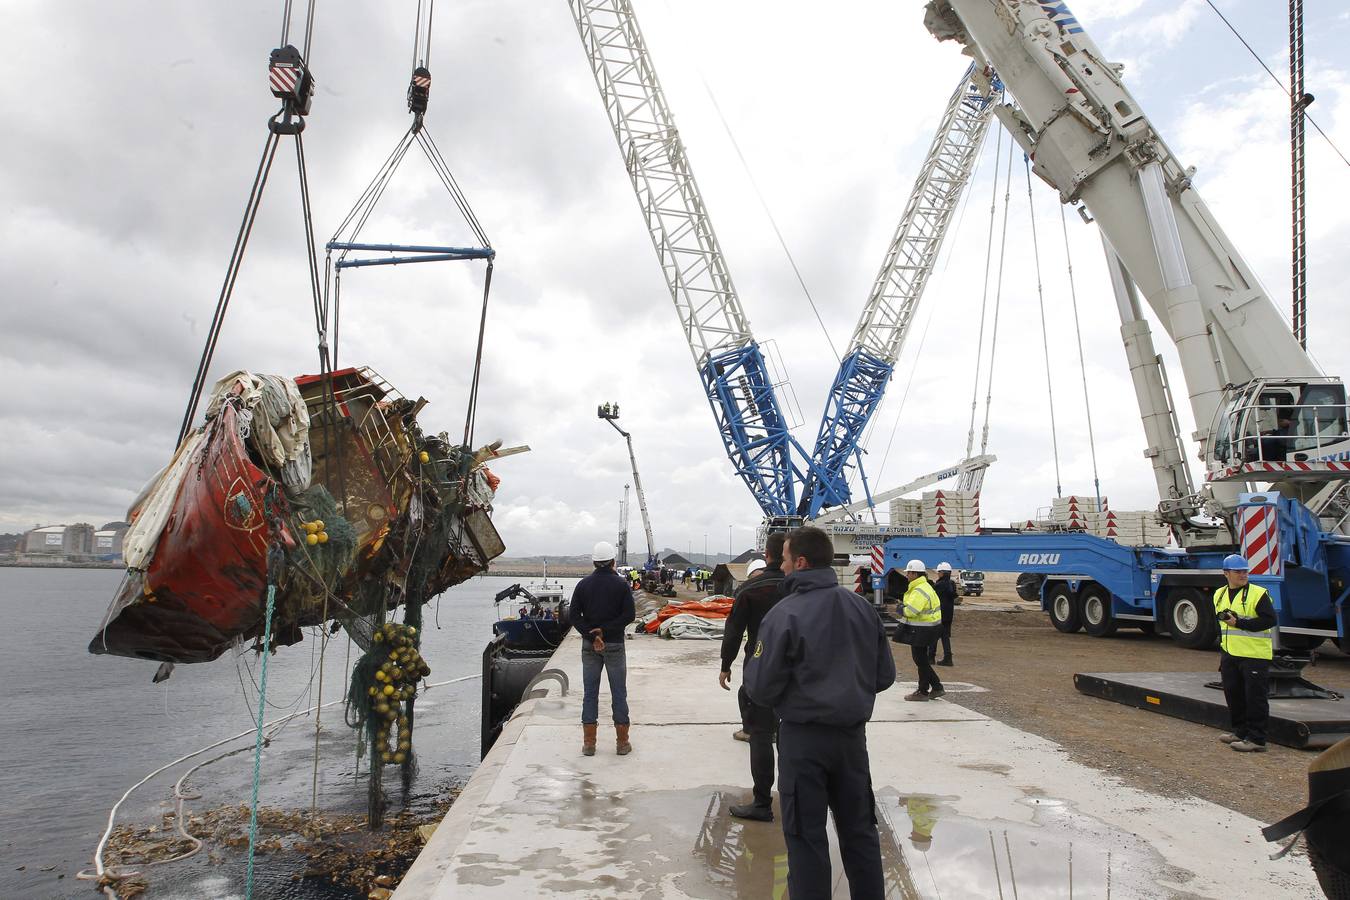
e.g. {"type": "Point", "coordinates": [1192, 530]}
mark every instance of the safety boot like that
{"type": "Point", "coordinates": [588, 740]}
{"type": "Point", "coordinates": [621, 745]}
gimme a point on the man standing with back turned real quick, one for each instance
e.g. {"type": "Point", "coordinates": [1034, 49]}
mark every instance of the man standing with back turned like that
{"type": "Point", "coordinates": [820, 660]}
{"type": "Point", "coordinates": [1246, 616]}
{"type": "Point", "coordinates": [602, 606]}
{"type": "Point", "coordinates": [755, 598]}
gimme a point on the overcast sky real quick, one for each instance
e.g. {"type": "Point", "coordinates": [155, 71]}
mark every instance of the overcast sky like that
{"type": "Point", "coordinates": [133, 130]}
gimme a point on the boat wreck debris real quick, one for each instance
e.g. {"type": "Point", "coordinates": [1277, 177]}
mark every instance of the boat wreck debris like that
{"type": "Point", "coordinates": [326, 485]}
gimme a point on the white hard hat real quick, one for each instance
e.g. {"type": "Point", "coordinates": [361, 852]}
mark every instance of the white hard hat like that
{"type": "Point", "coordinates": [915, 565]}
{"type": "Point", "coordinates": [755, 566]}
{"type": "Point", "coordinates": [944, 567]}
{"type": "Point", "coordinates": [604, 551]}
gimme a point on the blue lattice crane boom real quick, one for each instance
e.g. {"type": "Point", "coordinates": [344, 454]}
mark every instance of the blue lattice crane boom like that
{"type": "Point", "coordinates": [880, 333]}
{"type": "Point", "coordinates": [730, 363]}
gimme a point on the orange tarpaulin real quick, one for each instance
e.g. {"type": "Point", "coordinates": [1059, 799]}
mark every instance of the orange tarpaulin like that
{"type": "Point", "coordinates": [711, 608]}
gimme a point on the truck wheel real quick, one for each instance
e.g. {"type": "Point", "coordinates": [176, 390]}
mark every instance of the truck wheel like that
{"type": "Point", "coordinates": [1190, 618]}
{"type": "Point", "coordinates": [1029, 586]}
{"type": "Point", "coordinates": [1065, 612]}
{"type": "Point", "coordinates": [1095, 601]}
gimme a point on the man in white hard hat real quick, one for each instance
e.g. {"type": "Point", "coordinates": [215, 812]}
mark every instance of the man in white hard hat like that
{"type": "Point", "coordinates": [945, 588]}
{"type": "Point", "coordinates": [602, 606]}
{"type": "Point", "coordinates": [922, 626]}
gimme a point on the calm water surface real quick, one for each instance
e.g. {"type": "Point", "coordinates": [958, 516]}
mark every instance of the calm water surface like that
{"type": "Point", "coordinates": [81, 729]}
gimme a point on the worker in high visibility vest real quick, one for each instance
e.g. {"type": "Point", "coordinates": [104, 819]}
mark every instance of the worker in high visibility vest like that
{"type": "Point", "coordinates": [1246, 637]}
{"type": "Point", "coordinates": [922, 613]}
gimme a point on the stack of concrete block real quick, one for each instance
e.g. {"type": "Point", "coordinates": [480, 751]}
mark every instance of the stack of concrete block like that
{"type": "Point", "coordinates": [950, 513]}
{"type": "Point", "coordinates": [1134, 528]}
{"type": "Point", "coordinates": [1078, 512]}
{"type": "Point", "coordinates": [905, 511]}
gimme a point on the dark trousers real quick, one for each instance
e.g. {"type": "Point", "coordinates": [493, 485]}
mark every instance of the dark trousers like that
{"type": "Point", "coordinates": [948, 611]}
{"type": "Point", "coordinates": [928, 679]}
{"type": "Point", "coordinates": [763, 726]}
{"type": "Point", "coordinates": [1246, 686]}
{"type": "Point", "coordinates": [823, 767]}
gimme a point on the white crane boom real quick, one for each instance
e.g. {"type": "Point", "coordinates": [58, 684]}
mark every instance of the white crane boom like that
{"type": "Point", "coordinates": [974, 463]}
{"type": "Point", "coordinates": [1091, 141]}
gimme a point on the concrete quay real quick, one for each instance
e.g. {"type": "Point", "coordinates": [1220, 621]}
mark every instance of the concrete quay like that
{"type": "Point", "coordinates": [1009, 815]}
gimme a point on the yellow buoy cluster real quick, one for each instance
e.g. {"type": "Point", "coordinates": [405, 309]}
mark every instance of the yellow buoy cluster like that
{"type": "Point", "coordinates": [314, 533]}
{"type": "Point", "coordinates": [424, 456]}
{"type": "Point", "coordinates": [396, 679]}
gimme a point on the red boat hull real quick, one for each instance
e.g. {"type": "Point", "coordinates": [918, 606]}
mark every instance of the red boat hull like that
{"type": "Point", "coordinates": [206, 585]}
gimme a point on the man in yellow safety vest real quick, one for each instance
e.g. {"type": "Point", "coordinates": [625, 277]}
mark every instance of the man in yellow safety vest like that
{"type": "Point", "coordinates": [1246, 619]}
{"type": "Point", "coordinates": [922, 613]}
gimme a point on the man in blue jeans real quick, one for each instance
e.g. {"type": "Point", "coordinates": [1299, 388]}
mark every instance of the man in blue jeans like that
{"type": "Point", "coordinates": [602, 606]}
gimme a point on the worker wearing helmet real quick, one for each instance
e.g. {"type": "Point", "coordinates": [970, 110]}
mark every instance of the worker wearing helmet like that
{"type": "Point", "coordinates": [820, 661]}
{"type": "Point", "coordinates": [602, 606]}
{"type": "Point", "coordinates": [922, 627]}
{"type": "Point", "coordinates": [1246, 639]}
{"type": "Point", "coordinates": [945, 588]}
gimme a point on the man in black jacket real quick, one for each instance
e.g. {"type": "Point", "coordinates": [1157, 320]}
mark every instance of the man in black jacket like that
{"type": "Point", "coordinates": [820, 660]}
{"type": "Point", "coordinates": [946, 591]}
{"type": "Point", "coordinates": [602, 606]}
{"type": "Point", "coordinates": [754, 599]}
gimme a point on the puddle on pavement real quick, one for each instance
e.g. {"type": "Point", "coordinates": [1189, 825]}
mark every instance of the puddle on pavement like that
{"type": "Point", "coordinates": [684, 843]}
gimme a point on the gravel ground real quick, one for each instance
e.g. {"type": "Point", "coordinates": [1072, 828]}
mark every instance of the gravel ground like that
{"type": "Point", "coordinates": [1010, 648]}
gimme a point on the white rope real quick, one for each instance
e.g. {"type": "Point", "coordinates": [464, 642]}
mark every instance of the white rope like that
{"type": "Point", "coordinates": [100, 870]}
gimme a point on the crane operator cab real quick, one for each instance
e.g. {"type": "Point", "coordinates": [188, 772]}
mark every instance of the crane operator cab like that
{"type": "Point", "coordinates": [1295, 428]}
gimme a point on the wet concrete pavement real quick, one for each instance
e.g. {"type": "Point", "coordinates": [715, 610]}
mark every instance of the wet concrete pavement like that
{"type": "Point", "coordinates": [968, 808]}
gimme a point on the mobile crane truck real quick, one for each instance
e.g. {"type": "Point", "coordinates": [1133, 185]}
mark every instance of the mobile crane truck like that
{"type": "Point", "coordinates": [1271, 427]}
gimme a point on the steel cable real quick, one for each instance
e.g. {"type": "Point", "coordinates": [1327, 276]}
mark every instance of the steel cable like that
{"type": "Point", "coordinates": [1045, 333]}
{"type": "Point", "coordinates": [231, 275]}
{"type": "Point", "coordinates": [1082, 360]}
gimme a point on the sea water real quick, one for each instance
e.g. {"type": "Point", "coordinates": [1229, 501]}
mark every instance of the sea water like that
{"type": "Point", "coordinates": [79, 729]}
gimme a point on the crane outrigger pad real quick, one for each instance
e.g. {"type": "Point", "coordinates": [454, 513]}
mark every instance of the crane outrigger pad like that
{"type": "Point", "coordinates": [1304, 724]}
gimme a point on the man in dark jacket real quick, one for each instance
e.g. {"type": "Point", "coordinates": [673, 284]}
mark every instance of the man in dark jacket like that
{"type": "Point", "coordinates": [946, 591]}
{"type": "Point", "coordinates": [753, 601]}
{"type": "Point", "coordinates": [820, 659]}
{"type": "Point", "coordinates": [602, 606]}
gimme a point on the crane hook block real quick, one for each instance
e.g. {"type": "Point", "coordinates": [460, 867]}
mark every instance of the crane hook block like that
{"type": "Point", "coordinates": [290, 80]}
{"type": "Point", "coordinates": [419, 90]}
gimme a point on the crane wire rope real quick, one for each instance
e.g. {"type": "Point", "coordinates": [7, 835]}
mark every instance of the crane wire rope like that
{"type": "Point", "coordinates": [998, 301]}
{"type": "Point", "coordinates": [759, 195]}
{"type": "Point", "coordinates": [984, 292]}
{"type": "Point", "coordinates": [1275, 78]}
{"type": "Point", "coordinates": [1298, 103]}
{"type": "Point", "coordinates": [1045, 332]}
{"type": "Point", "coordinates": [1082, 360]}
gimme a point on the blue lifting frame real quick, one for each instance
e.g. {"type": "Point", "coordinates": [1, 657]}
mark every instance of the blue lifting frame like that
{"type": "Point", "coordinates": [752, 427]}
{"type": "Point", "coordinates": [424, 254]}
{"type": "Point", "coordinates": [854, 396]}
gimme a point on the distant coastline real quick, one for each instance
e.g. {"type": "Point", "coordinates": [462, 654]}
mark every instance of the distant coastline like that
{"type": "Point", "coordinates": [21, 563]}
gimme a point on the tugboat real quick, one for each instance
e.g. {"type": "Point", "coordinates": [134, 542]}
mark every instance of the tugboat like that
{"type": "Point", "coordinates": [541, 621]}
{"type": "Point", "coordinates": [521, 646]}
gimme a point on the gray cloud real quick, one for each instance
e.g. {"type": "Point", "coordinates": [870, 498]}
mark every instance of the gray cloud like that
{"type": "Point", "coordinates": [125, 170]}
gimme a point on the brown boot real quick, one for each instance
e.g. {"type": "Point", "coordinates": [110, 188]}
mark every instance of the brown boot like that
{"type": "Point", "coordinates": [588, 740]}
{"type": "Point", "coordinates": [621, 745]}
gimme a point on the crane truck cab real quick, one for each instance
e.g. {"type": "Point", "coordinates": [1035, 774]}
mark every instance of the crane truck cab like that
{"type": "Point", "coordinates": [1296, 428]}
{"type": "Point", "coordinates": [971, 582]}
